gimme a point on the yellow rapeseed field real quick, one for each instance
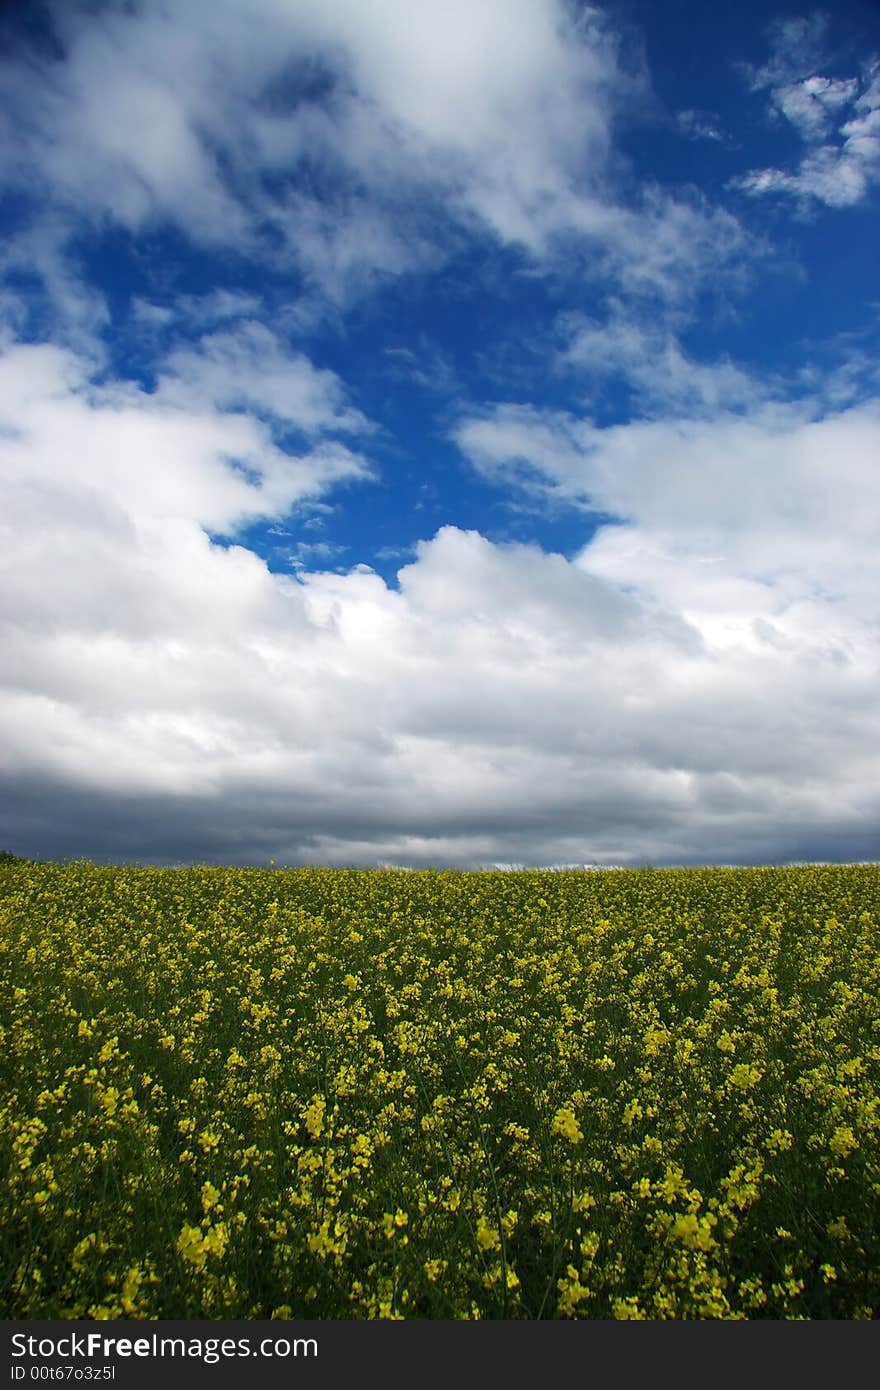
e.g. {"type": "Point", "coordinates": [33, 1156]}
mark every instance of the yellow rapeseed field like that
{"type": "Point", "coordinates": [348, 1094]}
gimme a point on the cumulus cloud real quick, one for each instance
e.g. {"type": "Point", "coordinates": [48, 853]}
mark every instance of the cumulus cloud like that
{"type": "Point", "coordinates": [502, 705]}
{"type": "Point", "coordinates": [836, 118]}
{"type": "Point", "coordinates": [774, 495]}
{"type": "Point", "coordinates": [755, 529]}
{"type": "Point", "coordinates": [699, 682]}
{"type": "Point", "coordinates": [175, 454]}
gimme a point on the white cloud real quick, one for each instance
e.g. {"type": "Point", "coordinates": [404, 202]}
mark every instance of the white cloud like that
{"type": "Point", "coordinates": [316, 554]}
{"type": "Point", "coordinates": [810, 105]}
{"type": "Point", "coordinates": [248, 368]}
{"type": "Point", "coordinates": [765, 515]}
{"type": "Point", "coordinates": [647, 355]}
{"type": "Point", "coordinates": [700, 682]}
{"type": "Point", "coordinates": [205, 311]}
{"type": "Point", "coordinates": [700, 125]}
{"type": "Point", "coordinates": [556, 718]}
{"type": "Point", "coordinates": [45, 288]}
{"type": "Point", "coordinates": [117, 451]}
{"type": "Point", "coordinates": [412, 125]}
{"type": "Point", "coordinates": [837, 118]}
{"type": "Point", "coordinates": [797, 48]}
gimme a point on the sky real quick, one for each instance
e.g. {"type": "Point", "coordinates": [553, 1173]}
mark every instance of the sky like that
{"type": "Point", "coordinates": [440, 434]}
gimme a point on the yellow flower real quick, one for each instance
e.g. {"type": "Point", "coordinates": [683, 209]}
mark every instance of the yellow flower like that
{"type": "Point", "coordinates": [391, 1224]}
{"type": "Point", "coordinates": [210, 1196]}
{"type": "Point", "coordinates": [565, 1125]}
{"type": "Point", "coordinates": [843, 1141]}
{"type": "Point", "coordinates": [194, 1246]}
{"type": "Point", "coordinates": [313, 1116]}
{"type": "Point", "coordinates": [745, 1076]}
{"type": "Point", "coordinates": [130, 1286]}
{"type": "Point", "coordinates": [487, 1236]}
{"type": "Point", "coordinates": [694, 1232]}
{"type": "Point", "coordinates": [571, 1292]}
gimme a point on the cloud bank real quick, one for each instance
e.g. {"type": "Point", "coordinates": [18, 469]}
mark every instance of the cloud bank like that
{"type": "Point", "coordinates": [698, 683]}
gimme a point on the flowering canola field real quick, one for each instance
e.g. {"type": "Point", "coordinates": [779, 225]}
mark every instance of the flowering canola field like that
{"type": "Point", "coordinates": [382, 1094]}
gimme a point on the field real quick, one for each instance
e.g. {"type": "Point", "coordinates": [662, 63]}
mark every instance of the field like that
{"type": "Point", "coordinates": [347, 1094]}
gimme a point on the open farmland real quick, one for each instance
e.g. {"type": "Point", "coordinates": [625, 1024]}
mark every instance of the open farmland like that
{"type": "Point", "coordinates": [351, 1094]}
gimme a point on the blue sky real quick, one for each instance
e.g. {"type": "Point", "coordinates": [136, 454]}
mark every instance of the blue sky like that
{"type": "Point", "coordinates": [440, 434]}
